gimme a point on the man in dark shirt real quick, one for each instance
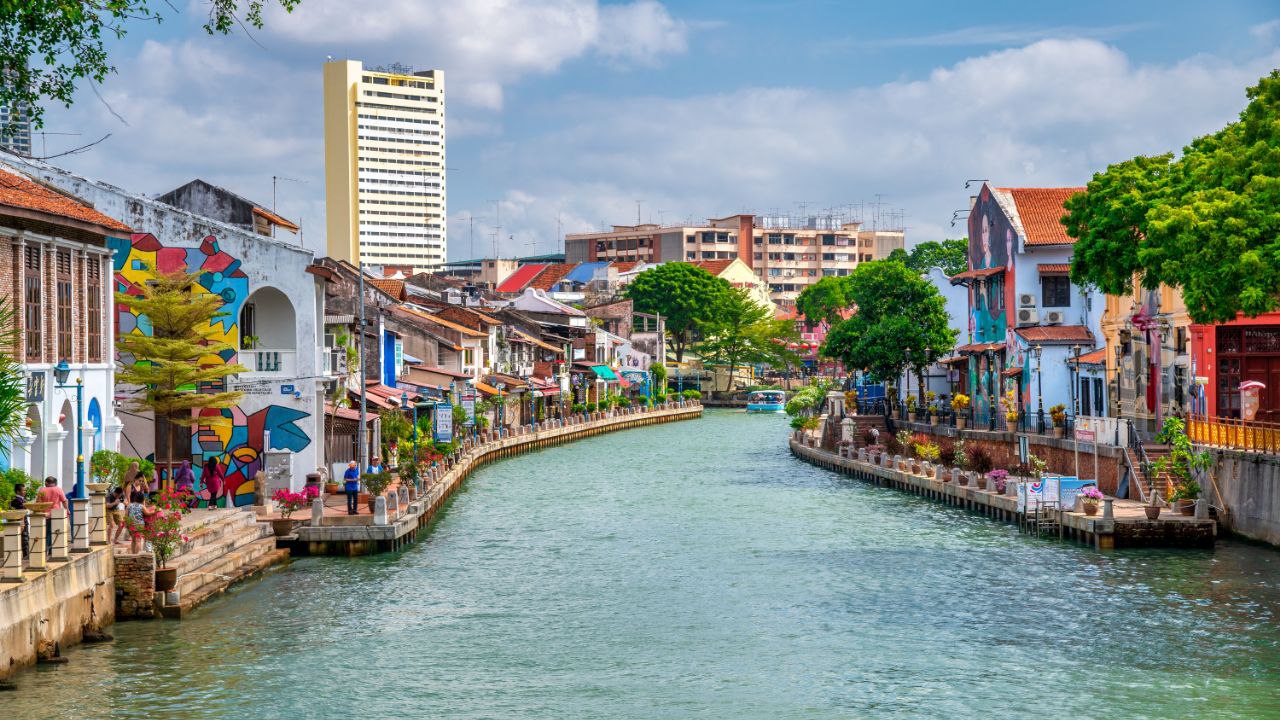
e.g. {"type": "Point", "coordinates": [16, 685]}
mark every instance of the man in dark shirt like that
{"type": "Point", "coordinates": [19, 502]}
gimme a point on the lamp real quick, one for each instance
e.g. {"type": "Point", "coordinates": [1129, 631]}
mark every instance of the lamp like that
{"type": "Point", "coordinates": [61, 373]}
{"type": "Point", "coordinates": [1037, 351]}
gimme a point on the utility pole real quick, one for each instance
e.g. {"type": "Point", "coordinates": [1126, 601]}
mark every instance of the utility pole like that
{"type": "Point", "coordinates": [559, 234]}
{"type": "Point", "coordinates": [638, 211]}
{"type": "Point", "coordinates": [364, 408]}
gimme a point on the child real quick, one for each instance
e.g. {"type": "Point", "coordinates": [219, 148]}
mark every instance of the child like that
{"type": "Point", "coordinates": [136, 522]}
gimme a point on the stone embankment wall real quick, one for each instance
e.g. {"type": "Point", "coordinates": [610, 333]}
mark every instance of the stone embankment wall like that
{"type": "Point", "coordinates": [51, 611]}
{"type": "Point", "coordinates": [1246, 484]}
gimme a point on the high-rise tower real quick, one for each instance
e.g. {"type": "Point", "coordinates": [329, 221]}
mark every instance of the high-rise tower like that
{"type": "Point", "coordinates": [384, 137]}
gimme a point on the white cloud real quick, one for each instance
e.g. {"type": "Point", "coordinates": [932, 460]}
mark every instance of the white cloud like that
{"type": "Point", "coordinates": [640, 32]}
{"type": "Point", "coordinates": [1265, 31]}
{"type": "Point", "coordinates": [1051, 113]}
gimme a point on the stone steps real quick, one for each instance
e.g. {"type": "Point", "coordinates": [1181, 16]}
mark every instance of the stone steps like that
{"type": "Point", "coordinates": [222, 549]}
{"type": "Point", "coordinates": [216, 577]}
{"type": "Point", "coordinates": [220, 539]}
{"type": "Point", "coordinates": [200, 567]}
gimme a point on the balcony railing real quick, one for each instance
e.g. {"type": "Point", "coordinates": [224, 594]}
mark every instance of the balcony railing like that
{"type": "Point", "coordinates": [1252, 435]}
{"type": "Point", "coordinates": [270, 362]}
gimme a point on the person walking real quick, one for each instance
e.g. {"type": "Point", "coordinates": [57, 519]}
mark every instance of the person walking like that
{"type": "Point", "coordinates": [351, 485]}
{"type": "Point", "coordinates": [184, 481]}
{"type": "Point", "coordinates": [116, 503]}
{"type": "Point", "coordinates": [136, 523]}
{"type": "Point", "coordinates": [19, 502]}
{"type": "Point", "coordinates": [213, 481]}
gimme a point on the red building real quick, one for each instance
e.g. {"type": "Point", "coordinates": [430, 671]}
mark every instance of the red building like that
{"type": "Point", "coordinates": [1227, 354]}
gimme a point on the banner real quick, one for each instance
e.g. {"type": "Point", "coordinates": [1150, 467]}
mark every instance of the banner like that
{"type": "Point", "coordinates": [1032, 494]}
{"type": "Point", "coordinates": [469, 407]}
{"type": "Point", "coordinates": [443, 426]}
{"type": "Point", "coordinates": [1069, 488]}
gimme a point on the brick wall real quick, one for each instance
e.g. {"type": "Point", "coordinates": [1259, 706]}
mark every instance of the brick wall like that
{"type": "Point", "coordinates": [135, 586]}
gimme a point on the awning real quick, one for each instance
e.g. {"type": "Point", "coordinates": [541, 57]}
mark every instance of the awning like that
{"type": "Point", "coordinates": [604, 372]}
{"type": "Point", "coordinates": [1054, 268]}
{"type": "Point", "coordinates": [977, 274]}
{"type": "Point", "coordinates": [409, 359]}
{"type": "Point", "coordinates": [486, 389]}
{"type": "Point", "coordinates": [1011, 372]}
{"type": "Point", "coordinates": [979, 347]}
{"type": "Point", "coordinates": [953, 360]}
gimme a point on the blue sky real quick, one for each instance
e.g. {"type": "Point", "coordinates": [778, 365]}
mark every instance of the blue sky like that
{"type": "Point", "coordinates": [578, 109]}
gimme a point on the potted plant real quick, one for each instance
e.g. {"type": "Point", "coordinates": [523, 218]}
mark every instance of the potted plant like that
{"type": "Point", "coordinates": [1090, 498]}
{"type": "Point", "coordinates": [165, 534]}
{"type": "Point", "coordinates": [248, 342]}
{"type": "Point", "coordinates": [377, 483]}
{"type": "Point", "coordinates": [960, 404]}
{"type": "Point", "coordinates": [1183, 496]}
{"type": "Point", "coordinates": [999, 479]}
{"type": "Point", "coordinates": [1010, 403]}
{"type": "Point", "coordinates": [1152, 507]}
{"type": "Point", "coordinates": [1179, 464]}
{"type": "Point", "coordinates": [911, 408]}
{"type": "Point", "coordinates": [1058, 414]}
{"type": "Point", "coordinates": [930, 400]}
{"type": "Point", "coordinates": [929, 452]}
{"type": "Point", "coordinates": [288, 502]}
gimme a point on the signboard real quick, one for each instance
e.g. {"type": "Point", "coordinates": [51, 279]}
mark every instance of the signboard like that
{"type": "Point", "coordinates": [469, 407]}
{"type": "Point", "coordinates": [443, 425]}
{"type": "Point", "coordinates": [35, 387]}
{"type": "Point", "coordinates": [1024, 450]}
{"type": "Point", "coordinates": [286, 389]}
{"type": "Point", "coordinates": [1031, 494]}
{"type": "Point", "coordinates": [251, 387]}
{"type": "Point", "coordinates": [1069, 488]}
{"type": "Point", "coordinates": [1085, 435]}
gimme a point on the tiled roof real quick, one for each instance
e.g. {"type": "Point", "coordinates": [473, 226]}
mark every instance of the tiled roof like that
{"type": "Point", "coordinates": [18, 191]}
{"type": "Point", "coordinates": [715, 267]}
{"type": "Point", "coordinates": [625, 265]}
{"type": "Point", "coordinates": [394, 288]}
{"type": "Point", "coordinates": [978, 273]}
{"type": "Point", "coordinates": [520, 278]}
{"type": "Point", "coordinates": [552, 275]}
{"type": "Point", "coordinates": [979, 347]}
{"type": "Point", "coordinates": [1040, 210]}
{"type": "Point", "coordinates": [1056, 334]}
{"type": "Point", "coordinates": [585, 272]}
{"type": "Point", "coordinates": [274, 218]}
{"type": "Point", "coordinates": [1054, 268]}
{"type": "Point", "coordinates": [445, 323]}
{"type": "Point", "coordinates": [1097, 357]}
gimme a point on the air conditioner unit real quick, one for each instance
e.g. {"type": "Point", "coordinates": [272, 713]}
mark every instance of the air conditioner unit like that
{"type": "Point", "coordinates": [1026, 300]}
{"type": "Point", "coordinates": [1028, 316]}
{"type": "Point", "coordinates": [1053, 317]}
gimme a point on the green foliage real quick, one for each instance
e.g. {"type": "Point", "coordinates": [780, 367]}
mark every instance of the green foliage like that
{"type": "Point", "coordinates": [691, 394]}
{"type": "Point", "coordinates": [823, 301]}
{"type": "Point", "coordinates": [901, 320]}
{"type": "Point", "coordinates": [1182, 460]}
{"type": "Point", "coordinates": [808, 398]}
{"type": "Point", "coordinates": [685, 295]}
{"type": "Point", "coordinates": [110, 467]}
{"type": "Point", "coordinates": [743, 332]}
{"type": "Point", "coordinates": [9, 479]}
{"type": "Point", "coordinates": [949, 256]}
{"type": "Point", "coordinates": [377, 483]}
{"type": "Point", "coordinates": [396, 428]}
{"type": "Point", "coordinates": [1205, 223]}
{"type": "Point", "coordinates": [47, 47]}
{"type": "Point", "coordinates": [13, 388]}
{"type": "Point", "coordinates": [801, 422]}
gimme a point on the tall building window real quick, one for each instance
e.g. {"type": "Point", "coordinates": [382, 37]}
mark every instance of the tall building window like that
{"type": "Point", "coordinates": [1057, 290]}
{"type": "Point", "coordinates": [94, 309]}
{"type": "Point", "coordinates": [33, 311]}
{"type": "Point", "coordinates": [64, 304]}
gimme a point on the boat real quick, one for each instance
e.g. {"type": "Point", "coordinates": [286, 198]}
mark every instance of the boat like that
{"type": "Point", "coordinates": [766, 401]}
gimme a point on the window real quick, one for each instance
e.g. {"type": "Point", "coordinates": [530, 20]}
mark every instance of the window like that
{"type": "Point", "coordinates": [34, 310]}
{"type": "Point", "coordinates": [468, 356]}
{"type": "Point", "coordinates": [94, 309]}
{"type": "Point", "coordinates": [828, 256]}
{"type": "Point", "coordinates": [64, 304]}
{"type": "Point", "coordinates": [1056, 291]}
{"type": "Point", "coordinates": [690, 239]}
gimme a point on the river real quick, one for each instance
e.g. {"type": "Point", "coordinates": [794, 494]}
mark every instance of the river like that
{"type": "Point", "coordinates": [697, 570]}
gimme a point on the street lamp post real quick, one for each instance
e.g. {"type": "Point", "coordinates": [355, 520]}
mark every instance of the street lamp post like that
{"type": "Point", "coordinates": [502, 409]}
{"type": "Point", "coordinates": [61, 372]}
{"type": "Point", "coordinates": [1039, 351]}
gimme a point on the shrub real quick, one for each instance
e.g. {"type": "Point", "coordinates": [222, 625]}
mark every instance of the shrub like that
{"type": "Point", "coordinates": [377, 482]}
{"type": "Point", "coordinates": [947, 455]}
{"type": "Point", "coordinates": [589, 407]}
{"type": "Point", "coordinates": [691, 395]}
{"type": "Point", "coordinates": [929, 452]}
{"type": "Point", "coordinates": [979, 459]}
{"type": "Point", "coordinates": [960, 402]}
{"type": "Point", "coordinates": [1058, 413]}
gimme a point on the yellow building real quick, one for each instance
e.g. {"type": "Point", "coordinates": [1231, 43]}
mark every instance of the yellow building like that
{"type": "Point", "coordinates": [1148, 355]}
{"type": "Point", "coordinates": [384, 138]}
{"type": "Point", "coordinates": [740, 275]}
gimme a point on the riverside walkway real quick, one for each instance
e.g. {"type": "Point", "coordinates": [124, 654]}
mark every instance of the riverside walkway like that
{"type": "Point", "coordinates": [1122, 524]}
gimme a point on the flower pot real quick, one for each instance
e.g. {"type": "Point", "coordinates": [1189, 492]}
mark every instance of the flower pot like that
{"type": "Point", "coordinates": [283, 526]}
{"type": "Point", "coordinates": [911, 417]}
{"type": "Point", "coordinates": [933, 419]}
{"type": "Point", "coordinates": [98, 487]}
{"type": "Point", "coordinates": [1186, 507]}
{"type": "Point", "coordinates": [1090, 508]}
{"type": "Point", "coordinates": [1058, 431]}
{"type": "Point", "coordinates": [331, 488]}
{"type": "Point", "coordinates": [1152, 511]}
{"type": "Point", "coordinates": [166, 579]}
{"type": "Point", "coordinates": [18, 515]}
{"type": "Point", "coordinates": [964, 479]}
{"type": "Point", "coordinates": [40, 507]}
{"type": "Point", "coordinates": [981, 482]}
{"type": "Point", "coordinates": [960, 423]}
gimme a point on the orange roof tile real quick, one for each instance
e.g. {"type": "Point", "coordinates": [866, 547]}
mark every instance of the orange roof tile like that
{"type": "Point", "coordinates": [1097, 357]}
{"type": "Point", "coordinates": [520, 279]}
{"type": "Point", "coordinates": [552, 275]}
{"type": "Point", "coordinates": [274, 218]}
{"type": "Point", "coordinates": [715, 267]}
{"type": "Point", "coordinates": [394, 288]}
{"type": "Point", "coordinates": [625, 265]}
{"type": "Point", "coordinates": [445, 323]}
{"type": "Point", "coordinates": [19, 191]}
{"type": "Point", "coordinates": [1054, 268]}
{"type": "Point", "coordinates": [1040, 210]}
{"type": "Point", "coordinates": [1056, 334]}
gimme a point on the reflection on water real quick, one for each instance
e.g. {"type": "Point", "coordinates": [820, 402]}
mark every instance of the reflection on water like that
{"type": "Point", "coordinates": [697, 570]}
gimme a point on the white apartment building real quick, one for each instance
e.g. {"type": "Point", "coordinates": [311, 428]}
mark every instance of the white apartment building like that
{"type": "Point", "coordinates": [385, 189]}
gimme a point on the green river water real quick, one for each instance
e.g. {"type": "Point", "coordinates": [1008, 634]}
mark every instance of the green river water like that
{"type": "Point", "coordinates": [697, 570]}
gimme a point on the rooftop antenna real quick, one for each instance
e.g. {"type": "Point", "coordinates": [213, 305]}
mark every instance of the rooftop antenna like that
{"type": "Point", "coordinates": [638, 211]}
{"type": "Point", "coordinates": [275, 179]}
{"type": "Point", "coordinates": [497, 226]}
{"type": "Point", "coordinates": [979, 180]}
{"type": "Point", "coordinates": [44, 140]}
{"type": "Point", "coordinates": [559, 234]}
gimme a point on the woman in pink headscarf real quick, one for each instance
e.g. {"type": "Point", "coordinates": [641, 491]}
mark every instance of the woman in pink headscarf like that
{"type": "Point", "coordinates": [213, 481]}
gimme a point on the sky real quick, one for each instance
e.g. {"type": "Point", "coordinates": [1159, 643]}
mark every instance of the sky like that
{"type": "Point", "coordinates": [578, 114]}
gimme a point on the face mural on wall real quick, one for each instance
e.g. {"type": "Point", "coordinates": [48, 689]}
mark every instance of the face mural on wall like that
{"type": "Point", "coordinates": [237, 444]}
{"type": "Point", "coordinates": [988, 319]}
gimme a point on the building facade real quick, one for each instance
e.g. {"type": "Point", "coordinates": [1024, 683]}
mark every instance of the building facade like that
{"type": "Point", "coordinates": [15, 129]}
{"type": "Point", "coordinates": [273, 309]}
{"type": "Point", "coordinates": [384, 135]}
{"type": "Point", "coordinates": [789, 254]}
{"type": "Point", "coordinates": [55, 269]}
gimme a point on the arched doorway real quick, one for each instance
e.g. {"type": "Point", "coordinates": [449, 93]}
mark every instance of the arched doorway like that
{"type": "Point", "coordinates": [268, 332]}
{"type": "Point", "coordinates": [94, 417]}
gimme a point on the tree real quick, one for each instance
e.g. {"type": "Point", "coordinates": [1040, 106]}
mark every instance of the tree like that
{"type": "Point", "coordinates": [1205, 223]}
{"type": "Point", "coordinates": [175, 372]}
{"type": "Point", "coordinates": [685, 295]}
{"type": "Point", "coordinates": [13, 390]}
{"type": "Point", "coordinates": [48, 46]}
{"type": "Point", "coordinates": [901, 321]}
{"type": "Point", "coordinates": [823, 301]}
{"type": "Point", "coordinates": [743, 332]}
{"type": "Point", "coordinates": [949, 256]}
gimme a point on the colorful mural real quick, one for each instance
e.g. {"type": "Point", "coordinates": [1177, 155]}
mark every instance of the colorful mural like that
{"type": "Point", "coordinates": [238, 444]}
{"type": "Point", "coordinates": [993, 244]}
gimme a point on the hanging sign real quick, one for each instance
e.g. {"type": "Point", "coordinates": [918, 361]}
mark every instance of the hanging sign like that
{"type": "Point", "coordinates": [469, 407]}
